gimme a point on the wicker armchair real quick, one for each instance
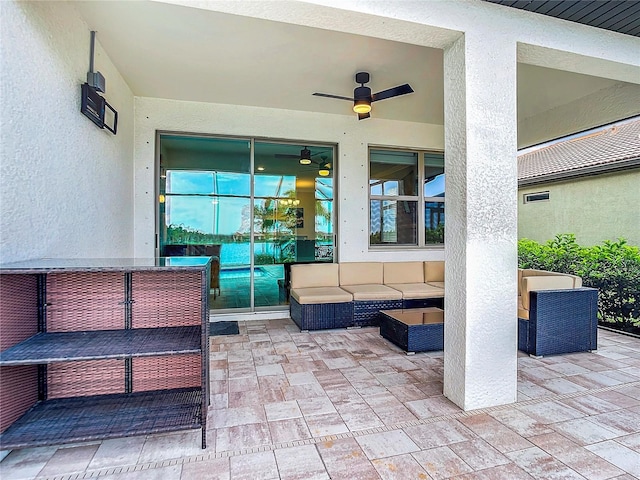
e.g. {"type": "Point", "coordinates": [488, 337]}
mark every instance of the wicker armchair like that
{"type": "Point", "coordinates": [560, 321]}
{"type": "Point", "coordinates": [212, 251]}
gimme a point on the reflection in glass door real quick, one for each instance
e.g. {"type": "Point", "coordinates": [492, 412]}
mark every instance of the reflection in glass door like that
{"type": "Point", "coordinates": [293, 209]}
{"type": "Point", "coordinates": [255, 207]}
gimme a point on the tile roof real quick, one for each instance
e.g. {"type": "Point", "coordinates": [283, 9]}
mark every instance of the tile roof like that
{"type": "Point", "coordinates": [607, 148]}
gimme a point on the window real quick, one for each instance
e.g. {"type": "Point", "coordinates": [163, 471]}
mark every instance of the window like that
{"type": "Point", "coordinates": [400, 212]}
{"type": "Point", "coordinates": [536, 197]}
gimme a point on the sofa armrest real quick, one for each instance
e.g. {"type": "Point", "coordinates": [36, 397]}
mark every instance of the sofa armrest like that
{"type": "Point", "coordinates": [562, 321]}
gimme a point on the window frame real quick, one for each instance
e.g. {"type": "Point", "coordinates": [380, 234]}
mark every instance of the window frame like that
{"type": "Point", "coordinates": [420, 198]}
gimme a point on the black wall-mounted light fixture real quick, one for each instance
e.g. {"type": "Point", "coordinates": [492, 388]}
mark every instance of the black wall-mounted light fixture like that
{"type": "Point", "coordinates": [93, 105]}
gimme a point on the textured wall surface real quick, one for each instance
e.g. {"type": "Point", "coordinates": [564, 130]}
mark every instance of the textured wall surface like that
{"type": "Point", "coordinates": [351, 136]}
{"type": "Point", "coordinates": [69, 189]}
{"type": "Point", "coordinates": [541, 40]}
{"type": "Point", "coordinates": [65, 185]}
{"type": "Point", "coordinates": [480, 242]}
{"type": "Point", "coordinates": [601, 108]}
{"type": "Point", "coordinates": [595, 209]}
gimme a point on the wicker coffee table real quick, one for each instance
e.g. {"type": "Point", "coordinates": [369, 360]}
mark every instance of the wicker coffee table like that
{"type": "Point", "coordinates": [414, 330]}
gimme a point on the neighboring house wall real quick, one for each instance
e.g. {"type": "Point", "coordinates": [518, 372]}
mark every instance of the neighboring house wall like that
{"type": "Point", "coordinates": [351, 176]}
{"type": "Point", "coordinates": [65, 185]}
{"type": "Point", "coordinates": [596, 208]}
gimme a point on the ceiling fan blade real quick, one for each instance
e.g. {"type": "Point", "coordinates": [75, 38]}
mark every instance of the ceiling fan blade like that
{"type": "Point", "coordinates": [392, 92]}
{"type": "Point", "coordinates": [332, 96]}
{"type": "Point", "coordinates": [291, 155]}
{"type": "Point", "coordinates": [362, 116]}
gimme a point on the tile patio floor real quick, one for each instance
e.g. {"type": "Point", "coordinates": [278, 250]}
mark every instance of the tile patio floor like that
{"type": "Point", "coordinates": [346, 404]}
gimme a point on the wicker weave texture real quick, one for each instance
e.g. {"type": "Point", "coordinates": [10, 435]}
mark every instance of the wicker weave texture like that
{"type": "Point", "coordinates": [523, 334]}
{"type": "Point", "coordinates": [166, 372]}
{"type": "Point", "coordinates": [366, 313]}
{"type": "Point", "coordinates": [80, 379]}
{"type": "Point", "coordinates": [423, 302]}
{"type": "Point", "coordinates": [413, 338]}
{"type": "Point", "coordinates": [85, 301]}
{"type": "Point", "coordinates": [18, 392]}
{"type": "Point", "coordinates": [343, 315]}
{"type": "Point", "coordinates": [320, 316]}
{"type": "Point", "coordinates": [563, 321]}
{"type": "Point", "coordinates": [95, 418]}
{"type": "Point", "coordinates": [166, 299]}
{"type": "Point", "coordinates": [102, 344]}
{"type": "Point", "coordinates": [18, 308]}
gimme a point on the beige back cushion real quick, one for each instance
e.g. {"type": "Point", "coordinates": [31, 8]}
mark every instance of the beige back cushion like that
{"type": "Point", "coordinates": [434, 271]}
{"type": "Point", "coordinates": [403, 272]}
{"type": "Point", "coordinates": [314, 275]}
{"type": "Point", "coordinates": [519, 281]}
{"type": "Point", "coordinates": [529, 272]}
{"type": "Point", "coordinates": [550, 282]}
{"type": "Point", "coordinates": [360, 273]}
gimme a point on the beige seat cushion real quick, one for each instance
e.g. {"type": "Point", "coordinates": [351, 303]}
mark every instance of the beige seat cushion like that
{"type": "Point", "coordinates": [522, 313]}
{"type": "Point", "coordinates": [550, 282]}
{"type": "Point", "coordinates": [314, 275]}
{"type": "Point", "coordinates": [437, 284]}
{"type": "Point", "coordinates": [321, 295]}
{"type": "Point", "coordinates": [372, 292]}
{"type": "Point", "coordinates": [403, 272]}
{"type": "Point", "coordinates": [434, 271]}
{"type": "Point", "coordinates": [417, 290]}
{"type": "Point", "coordinates": [360, 273]}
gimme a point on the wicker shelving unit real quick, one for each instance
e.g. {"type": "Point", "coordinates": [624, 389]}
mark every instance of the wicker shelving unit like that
{"type": "Point", "coordinates": [96, 349]}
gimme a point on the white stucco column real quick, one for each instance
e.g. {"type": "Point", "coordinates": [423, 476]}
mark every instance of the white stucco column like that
{"type": "Point", "coordinates": [480, 352]}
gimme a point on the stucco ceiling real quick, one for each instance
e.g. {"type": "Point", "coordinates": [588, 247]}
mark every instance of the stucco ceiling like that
{"type": "Point", "coordinates": [176, 52]}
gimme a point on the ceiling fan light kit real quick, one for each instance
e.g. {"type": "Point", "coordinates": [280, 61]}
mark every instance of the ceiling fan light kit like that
{"type": "Point", "coordinates": [362, 97]}
{"type": "Point", "coordinates": [361, 106]}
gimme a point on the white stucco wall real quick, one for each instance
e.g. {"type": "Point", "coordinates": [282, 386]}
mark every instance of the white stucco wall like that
{"type": "Point", "coordinates": [595, 209]}
{"type": "Point", "coordinates": [600, 108]}
{"type": "Point", "coordinates": [352, 139]}
{"type": "Point", "coordinates": [65, 185]}
{"type": "Point", "coordinates": [480, 365]}
{"type": "Point", "coordinates": [542, 40]}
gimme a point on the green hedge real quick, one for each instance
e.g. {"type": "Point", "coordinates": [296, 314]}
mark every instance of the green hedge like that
{"type": "Point", "coordinates": [613, 268]}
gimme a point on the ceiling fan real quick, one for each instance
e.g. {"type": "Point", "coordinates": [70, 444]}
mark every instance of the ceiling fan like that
{"type": "Point", "coordinates": [362, 96]}
{"type": "Point", "coordinates": [315, 160]}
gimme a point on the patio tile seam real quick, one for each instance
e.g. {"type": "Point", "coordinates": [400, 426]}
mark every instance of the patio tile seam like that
{"type": "Point", "coordinates": [87, 474]}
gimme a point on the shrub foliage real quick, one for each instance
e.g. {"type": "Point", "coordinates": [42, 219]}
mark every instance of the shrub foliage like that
{"type": "Point", "coordinates": [613, 268]}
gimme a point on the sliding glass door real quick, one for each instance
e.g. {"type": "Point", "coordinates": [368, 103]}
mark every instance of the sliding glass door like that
{"type": "Point", "coordinates": [256, 207]}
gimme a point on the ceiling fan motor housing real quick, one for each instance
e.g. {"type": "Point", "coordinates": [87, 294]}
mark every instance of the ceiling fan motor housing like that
{"type": "Point", "coordinates": [362, 93]}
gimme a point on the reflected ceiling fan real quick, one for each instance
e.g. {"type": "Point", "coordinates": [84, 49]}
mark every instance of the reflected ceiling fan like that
{"type": "Point", "coordinates": [363, 98]}
{"type": "Point", "coordinates": [316, 160]}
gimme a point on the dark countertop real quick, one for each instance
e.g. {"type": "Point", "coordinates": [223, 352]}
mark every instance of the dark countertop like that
{"type": "Point", "coordinates": [46, 265]}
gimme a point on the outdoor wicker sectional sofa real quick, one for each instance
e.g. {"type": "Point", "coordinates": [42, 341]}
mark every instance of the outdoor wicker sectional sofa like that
{"type": "Point", "coordinates": [555, 313]}
{"type": "Point", "coordinates": [352, 294]}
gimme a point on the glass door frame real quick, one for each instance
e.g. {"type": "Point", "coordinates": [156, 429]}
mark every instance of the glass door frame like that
{"type": "Point", "coordinates": [252, 141]}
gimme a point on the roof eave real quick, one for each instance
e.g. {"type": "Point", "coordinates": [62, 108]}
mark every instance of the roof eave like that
{"type": "Point", "coordinates": [581, 172]}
